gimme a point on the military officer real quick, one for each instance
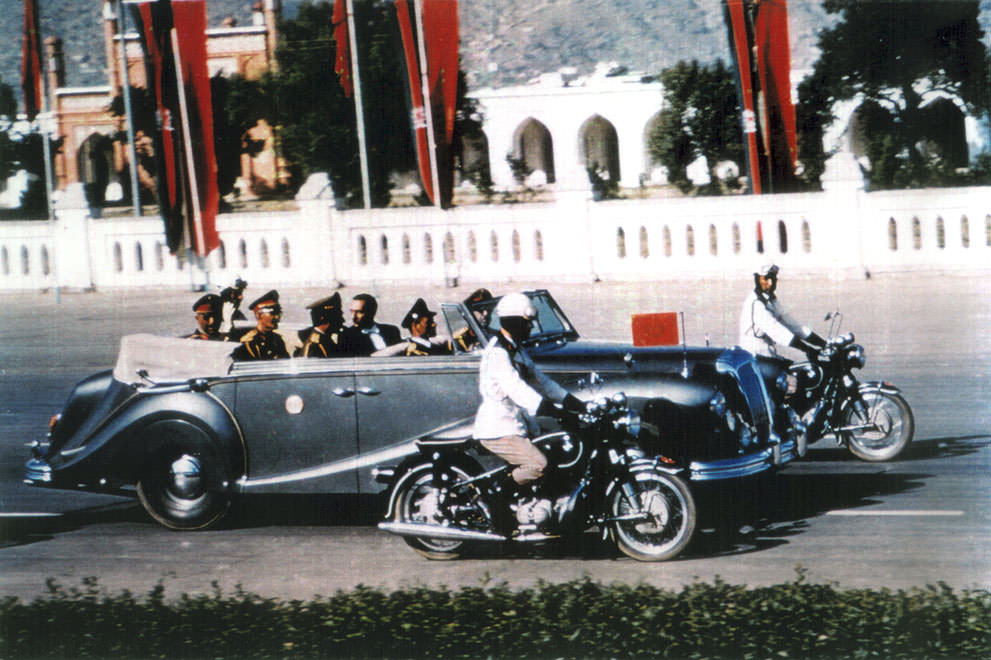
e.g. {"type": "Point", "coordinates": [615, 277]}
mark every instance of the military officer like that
{"type": "Point", "coordinates": [419, 321]}
{"type": "Point", "coordinates": [209, 311]}
{"type": "Point", "coordinates": [325, 337]}
{"type": "Point", "coordinates": [264, 341]}
{"type": "Point", "coordinates": [465, 337]}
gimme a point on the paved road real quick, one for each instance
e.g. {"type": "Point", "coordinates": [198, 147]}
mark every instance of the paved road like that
{"type": "Point", "coordinates": [915, 521]}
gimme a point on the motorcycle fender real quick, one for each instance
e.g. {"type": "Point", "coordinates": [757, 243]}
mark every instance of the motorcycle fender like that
{"type": "Point", "coordinates": [643, 467]}
{"type": "Point", "coordinates": [403, 472]}
{"type": "Point", "coordinates": [878, 386]}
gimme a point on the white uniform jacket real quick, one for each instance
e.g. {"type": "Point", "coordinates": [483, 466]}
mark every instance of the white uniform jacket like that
{"type": "Point", "coordinates": [763, 324]}
{"type": "Point", "coordinates": [512, 388]}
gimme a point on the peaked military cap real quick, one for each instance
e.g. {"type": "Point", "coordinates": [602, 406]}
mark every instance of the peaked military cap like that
{"type": "Point", "coordinates": [417, 312]}
{"type": "Point", "coordinates": [330, 302]}
{"type": "Point", "coordinates": [211, 303]}
{"type": "Point", "coordinates": [267, 303]}
{"type": "Point", "coordinates": [477, 296]}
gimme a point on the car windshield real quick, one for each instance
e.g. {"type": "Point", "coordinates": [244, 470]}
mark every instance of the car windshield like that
{"type": "Point", "coordinates": [550, 325]}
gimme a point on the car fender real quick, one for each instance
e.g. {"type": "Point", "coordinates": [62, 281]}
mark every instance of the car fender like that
{"type": "Point", "coordinates": [119, 449]}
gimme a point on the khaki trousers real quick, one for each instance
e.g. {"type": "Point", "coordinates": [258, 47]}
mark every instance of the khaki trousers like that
{"type": "Point", "coordinates": [519, 451]}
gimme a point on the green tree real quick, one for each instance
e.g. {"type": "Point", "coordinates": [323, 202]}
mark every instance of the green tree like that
{"type": "Point", "coordinates": [898, 56]}
{"type": "Point", "coordinates": [701, 118]}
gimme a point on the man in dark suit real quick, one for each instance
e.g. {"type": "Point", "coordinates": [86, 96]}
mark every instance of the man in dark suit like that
{"type": "Point", "coordinates": [364, 336]}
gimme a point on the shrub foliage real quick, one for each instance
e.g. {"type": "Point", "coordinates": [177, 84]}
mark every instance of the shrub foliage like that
{"type": "Point", "coordinates": [579, 619]}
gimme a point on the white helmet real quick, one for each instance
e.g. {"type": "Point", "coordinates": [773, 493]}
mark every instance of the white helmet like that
{"type": "Point", "coordinates": [516, 304]}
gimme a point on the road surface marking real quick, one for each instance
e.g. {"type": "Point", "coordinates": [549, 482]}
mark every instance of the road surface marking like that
{"type": "Point", "coordinates": [18, 514]}
{"type": "Point", "coordinates": [895, 512]}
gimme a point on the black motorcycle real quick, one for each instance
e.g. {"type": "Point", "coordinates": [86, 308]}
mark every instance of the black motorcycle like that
{"type": "Point", "coordinates": [443, 498]}
{"type": "Point", "coordinates": [870, 419]}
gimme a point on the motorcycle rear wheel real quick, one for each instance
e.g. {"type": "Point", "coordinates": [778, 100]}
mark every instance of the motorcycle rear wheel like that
{"type": "Point", "coordinates": [893, 427]}
{"type": "Point", "coordinates": [670, 507]}
{"type": "Point", "coordinates": [417, 500]}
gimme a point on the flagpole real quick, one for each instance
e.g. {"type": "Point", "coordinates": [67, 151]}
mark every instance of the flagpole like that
{"type": "Point", "coordinates": [128, 112]}
{"type": "Point", "coordinates": [190, 163]}
{"type": "Point", "coordinates": [425, 86]}
{"type": "Point", "coordinates": [359, 110]}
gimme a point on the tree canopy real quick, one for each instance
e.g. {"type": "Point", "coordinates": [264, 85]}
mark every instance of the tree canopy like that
{"type": "Point", "coordinates": [701, 118]}
{"type": "Point", "coordinates": [898, 58]}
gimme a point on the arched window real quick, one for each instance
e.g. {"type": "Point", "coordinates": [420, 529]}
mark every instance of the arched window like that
{"type": "Point", "coordinates": [667, 241]}
{"type": "Point", "coordinates": [46, 266]}
{"type": "Point", "coordinates": [5, 260]}
{"type": "Point", "coordinates": [644, 243]}
{"type": "Point", "coordinates": [286, 257]}
{"type": "Point", "coordinates": [538, 245]}
{"type": "Point", "coordinates": [159, 255]}
{"type": "Point", "coordinates": [494, 245]}
{"type": "Point", "coordinates": [263, 253]}
{"type": "Point", "coordinates": [892, 235]}
{"type": "Point", "coordinates": [517, 252]}
{"type": "Point", "coordinates": [940, 233]}
{"type": "Point", "coordinates": [782, 237]}
{"type": "Point", "coordinates": [139, 257]}
{"type": "Point", "coordinates": [362, 251]}
{"type": "Point", "coordinates": [242, 248]}
{"type": "Point", "coordinates": [916, 234]}
{"type": "Point", "coordinates": [221, 256]}
{"type": "Point", "coordinates": [737, 243]}
{"type": "Point", "coordinates": [449, 257]}
{"type": "Point", "coordinates": [118, 259]}
{"type": "Point", "coordinates": [472, 247]}
{"type": "Point", "coordinates": [428, 248]}
{"type": "Point", "coordinates": [987, 230]}
{"type": "Point", "coordinates": [690, 240]}
{"type": "Point", "coordinates": [407, 253]}
{"type": "Point", "coordinates": [713, 241]}
{"type": "Point", "coordinates": [384, 250]}
{"type": "Point", "coordinates": [806, 236]}
{"type": "Point", "coordinates": [620, 243]}
{"type": "Point", "coordinates": [964, 232]}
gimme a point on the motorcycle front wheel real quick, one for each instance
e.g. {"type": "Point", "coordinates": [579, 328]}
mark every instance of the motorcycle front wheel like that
{"type": "Point", "coordinates": [658, 522]}
{"type": "Point", "coordinates": [883, 430]}
{"type": "Point", "coordinates": [418, 500]}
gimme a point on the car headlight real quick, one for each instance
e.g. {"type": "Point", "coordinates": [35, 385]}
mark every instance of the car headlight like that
{"type": "Point", "coordinates": [717, 404]}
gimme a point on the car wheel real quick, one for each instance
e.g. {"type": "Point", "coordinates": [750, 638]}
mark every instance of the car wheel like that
{"type": "Point", "coordinates": [183, 489]}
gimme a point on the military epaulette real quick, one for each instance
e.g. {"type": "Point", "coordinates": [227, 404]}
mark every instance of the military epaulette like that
{"type": "Point", "coordinates": [248, 336]}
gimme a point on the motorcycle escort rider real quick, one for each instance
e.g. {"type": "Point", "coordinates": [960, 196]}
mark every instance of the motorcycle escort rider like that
{"type": "Point", "coordinates": [514, 391]}
{"type": "Point", "coordinates": [765, 325]}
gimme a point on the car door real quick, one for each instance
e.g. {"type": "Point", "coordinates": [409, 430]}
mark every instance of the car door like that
{"type": "Point", "coordinates": [400, 399]}
{"type": "Point", "coordinates": [299, 426]}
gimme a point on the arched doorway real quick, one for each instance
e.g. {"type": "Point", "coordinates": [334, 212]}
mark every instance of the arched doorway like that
{"type": "Point", "coordinates": [598, 147]}
{"type": "Point", "coordinates": [947, 135]}
{"type": "Point", "coordinates": [533, 145]}
{"type": "Point", "coordinates": [475, 159]}
{"type": "Point", "coordinates": [95, 159]}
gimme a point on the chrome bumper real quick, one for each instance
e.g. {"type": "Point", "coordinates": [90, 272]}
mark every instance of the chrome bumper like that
{"type": "Point", "coordinates": [743, 466]}
{"type": "Point", "coordinates": [38, 473]}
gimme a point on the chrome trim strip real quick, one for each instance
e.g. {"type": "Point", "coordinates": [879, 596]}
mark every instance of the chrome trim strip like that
{"type": "Point", "coordinates": [743, 466]}
{"type": "Point", "coordinates": [439, 532]}
{"type": "Point", "coordinates": [367, 460]}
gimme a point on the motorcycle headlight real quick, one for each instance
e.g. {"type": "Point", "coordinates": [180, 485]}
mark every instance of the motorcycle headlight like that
{"type": "Point", "coordinates": [855, 357]}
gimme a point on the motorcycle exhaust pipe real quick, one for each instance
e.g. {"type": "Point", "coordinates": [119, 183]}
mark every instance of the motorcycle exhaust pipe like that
{"type": "Point", "coordinates": [439, 532]}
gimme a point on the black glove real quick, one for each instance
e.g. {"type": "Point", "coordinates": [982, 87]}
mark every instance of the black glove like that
{"type": "Point", "coordinates": [547, 408]}
{"type": "Point", "coordinates": [811, 351]}
{"type": "Point", "coordinates": [816, 340]}
{"type": "Point", "coordinates": [573, 404]}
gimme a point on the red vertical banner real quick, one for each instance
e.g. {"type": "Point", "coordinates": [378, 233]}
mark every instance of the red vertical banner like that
{"type": "Point", "coordinates": [342, 56]}
{"type": "Point", "coordinates": [189, 18]}
{"type": "Point", "coordinates": [773, 55]}
{"type": "Point", "coordinates": [189, 219]}
{"type": "Point", "coordinates": [740, 47]}
{"type": "Point", "coordinates": [31, 69]}
{"type": "Point", "coordinates": [440, 35]}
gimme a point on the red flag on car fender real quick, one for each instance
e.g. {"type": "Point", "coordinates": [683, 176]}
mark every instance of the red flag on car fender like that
{"type": "Point", "coordinates": [31, 69]}
{"type": "Point", "coordinates": [440, 36]}
{"type": "Point", "coordinates": [342, 57]}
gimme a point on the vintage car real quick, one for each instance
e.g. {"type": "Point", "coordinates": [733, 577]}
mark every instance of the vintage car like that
{"type": "Point", "coordinates": [184, 428]}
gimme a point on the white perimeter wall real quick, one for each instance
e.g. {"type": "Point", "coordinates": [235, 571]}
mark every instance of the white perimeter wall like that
{"type": "Point", "coordinates": [843, 233]}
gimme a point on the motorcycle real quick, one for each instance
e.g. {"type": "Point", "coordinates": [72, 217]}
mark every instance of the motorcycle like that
{"type": "Point", "coordinates": [872, 419]}
{"type": "Point", "coordinates": [443, 498]}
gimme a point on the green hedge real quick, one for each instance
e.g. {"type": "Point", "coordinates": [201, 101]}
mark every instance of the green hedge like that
{"type": "Point", "coordinates": [579, 619]}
